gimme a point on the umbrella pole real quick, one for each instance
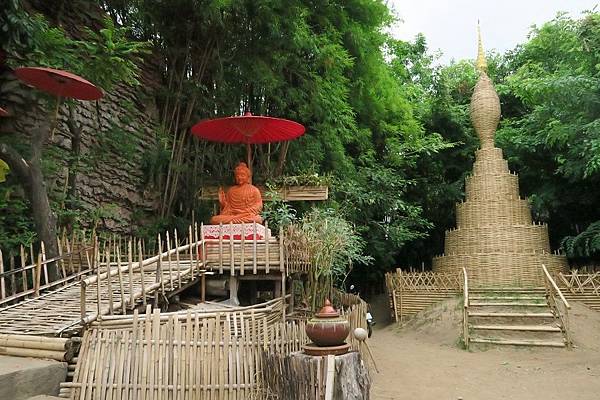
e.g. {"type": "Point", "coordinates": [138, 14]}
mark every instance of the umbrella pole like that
{"type": "Point", "coordinates": [249, 156]}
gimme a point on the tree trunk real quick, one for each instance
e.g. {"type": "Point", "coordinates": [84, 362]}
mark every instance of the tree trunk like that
{"type": "Point", "coordinates": [32, 179]}
{"type": "Point", "coordinates": [298, 376]}
{"type": "Point", "coordinates": [43, 217]}
{"type": "Point", "coordinates": [75, 130]}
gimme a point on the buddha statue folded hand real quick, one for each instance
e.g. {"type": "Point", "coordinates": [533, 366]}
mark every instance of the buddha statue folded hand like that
{"type": "Point", "coordinates": [242, 203]}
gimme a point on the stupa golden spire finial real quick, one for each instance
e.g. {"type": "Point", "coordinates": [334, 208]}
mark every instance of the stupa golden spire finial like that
{"type": "Point", "coordinates": [481, 63]}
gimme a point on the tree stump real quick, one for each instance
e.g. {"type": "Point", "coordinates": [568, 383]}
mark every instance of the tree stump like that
{"type": "Point", "coordinates": [302, 377]}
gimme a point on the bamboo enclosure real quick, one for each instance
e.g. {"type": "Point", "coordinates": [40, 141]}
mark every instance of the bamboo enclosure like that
{"type": "Point", "coordinates": [200, 355]}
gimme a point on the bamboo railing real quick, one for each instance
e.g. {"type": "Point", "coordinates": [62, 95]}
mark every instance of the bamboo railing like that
{"type": "Point", "coordinates": [559, 309]}
{"type": "Point", "coordinates": [466, 304]}
{"type": "Point", "coordinates": [28, 281]}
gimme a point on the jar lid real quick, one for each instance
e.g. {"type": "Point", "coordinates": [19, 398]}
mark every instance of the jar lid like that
{"type": "Point", "coordinates": [327, 311]}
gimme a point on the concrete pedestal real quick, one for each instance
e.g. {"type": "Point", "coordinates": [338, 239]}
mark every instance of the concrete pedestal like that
{"type": "Point", "coordinates": [22, 378]}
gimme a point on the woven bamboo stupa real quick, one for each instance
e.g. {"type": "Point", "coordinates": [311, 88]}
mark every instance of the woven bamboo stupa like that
{"type": "Point", "coordinates": [495, 238]}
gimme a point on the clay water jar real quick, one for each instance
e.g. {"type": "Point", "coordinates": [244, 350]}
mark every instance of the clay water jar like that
{"type": "Point", "coordinates": [327, 328]}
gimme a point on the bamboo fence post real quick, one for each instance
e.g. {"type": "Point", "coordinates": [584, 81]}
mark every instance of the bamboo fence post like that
{"type": "Point", "coordinates": [60, 256]}
{"type": "Point", "coordinates": [23, 273]}
{"type": "Point", "coordinates": [121, 286]}
{"type": "Point", "coordinates": [44, 265]}
{"type": "Point", "coordinates": [190, 241]}
{"type": "Point", "coordinates": [168, 239]}
{"type": "Point", "coordinates": [69, 252]}
{"type": "Point", "coordinates": [82, 300]}
{"type": "Point", "coordinates": [243, 245]}
{"type": "Point", "coordinates": [159, 269]}
{"type": "Point", "coordinates": [196, 241]}
{"type": "Point", "coordinates": [141, 266]}
{"type": "Point", "coordinates": [109, 280]}
{"type": "Point", "coordinates": [13, 279]}
{"type": "Point", "coordinates": [267, 242]}
{"type": "Point", "coordinates": [37, 277]}
{"type": "Point", "coordinates": [176, 238]}
{"type": "Point", "coordinates": [282, 272]}
{"type": "Point", "coordinates": [231, 256]}
{"type": "Point", "coordinates": [221, 248]}
{"type": "Point", "coordinates": [98, 297]}
{"type": "Point", "coordinates": [2, 281]}
{"type": "Point", "coordinates": [130, 272]}
{"type": "Point", "coordinates": [254, 262]}
{"type": "Point", "coordinates": [202, 245]}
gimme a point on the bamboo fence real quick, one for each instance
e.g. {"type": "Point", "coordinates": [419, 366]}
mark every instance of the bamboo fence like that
{"type": "Point", "coordinates": [214, 355]}
{"type": "Point", "coordinates": [411, 292]}
{"type": "Point", "coordinates": [583, 287]}
{"type": "Point", "coordinates": [199, 355]}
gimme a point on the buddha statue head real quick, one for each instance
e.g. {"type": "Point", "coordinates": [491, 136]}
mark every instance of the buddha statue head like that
{"type": "Point", "coordinates": [242, 174]}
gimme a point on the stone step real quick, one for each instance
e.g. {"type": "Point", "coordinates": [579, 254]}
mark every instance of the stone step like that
{"type": "Point", "coordinates": [529, 328]}
{"type": "Point", "coordinates": [543, 343]}
{"type": "Point", "coordinates": [510, 314]}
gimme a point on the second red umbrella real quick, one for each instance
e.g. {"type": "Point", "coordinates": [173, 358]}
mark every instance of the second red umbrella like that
{"type": "Point", "coordinates": [59, 83]}
{"type": "Point", "coordinates": [248, 129]}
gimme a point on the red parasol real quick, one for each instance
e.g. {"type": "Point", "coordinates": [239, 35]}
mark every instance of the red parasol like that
{"type": "Point", "coordinates": [248, 129]}
{"type": "Point", "coordinates": [3, 112]}
{"type": "Point", "coordinates": [59, 83]}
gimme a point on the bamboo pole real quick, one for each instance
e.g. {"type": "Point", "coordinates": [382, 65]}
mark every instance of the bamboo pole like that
{"type": "Point", "coordinates": [141, 265]}
{"type": "Point", "coordinates": [231, 256]}
{"type": "Point", "coordinates": [177, 263]}
{"type": "Point", "coordinates": [130, 271]}
{"type": "Point", "coordinates": [37, 277]}
{"type": "Point", "coordinates": [202, 245]}
{"type": "Point", "coordinates": [169, 260]}
{"type": "Point", "coordinates": [196, 241]}
{"type": "Point", "coordinates": [121, 286]}
{"type": "Point", "coordinates": [24, 273]}
{"type": "Point", "coordinates": [2, 281]}
{"type": "Point", "coordinates": [221, 248]}
{"type": "Point", "coordinates": [242, 249]}
{"type": "Point", "coordinates": [190, 241]}
{"type": "Point", "coordinates": [109, 280]}
{"type": "Point", "coordinates": [13, 283]}
{"type": "Point", "coordinates": [254, 239]}
{"type": "Point", "coordinates": [267, 241]}
{"type": "Point", "coordinates": [44, 265]}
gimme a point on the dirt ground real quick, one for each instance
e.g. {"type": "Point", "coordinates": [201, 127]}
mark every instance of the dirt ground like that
{"type": "Point", "coordinates": [422, 361]}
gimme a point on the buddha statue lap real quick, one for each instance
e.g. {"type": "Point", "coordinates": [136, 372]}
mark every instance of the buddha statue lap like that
{"type": "Point", "coordinates": [242, 203]}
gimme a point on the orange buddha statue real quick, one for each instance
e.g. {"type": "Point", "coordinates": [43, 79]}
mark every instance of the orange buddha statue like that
{"type": "Point", "coordinates": [242, 203]}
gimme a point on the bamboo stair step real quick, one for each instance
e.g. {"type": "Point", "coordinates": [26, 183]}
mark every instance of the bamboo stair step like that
{"type": "Point", "coordinates": [532, 297]}
{"type": "Point", "coordinates": [509, 304]}
{"type": "Point", "coordinates": [505, 290]}
{"type": "Point", "coordinates": [510, 314]}
{"type": "Point", "coordinates": [542, 343]}
{"type": "Point", "coordinates": [531, 328]}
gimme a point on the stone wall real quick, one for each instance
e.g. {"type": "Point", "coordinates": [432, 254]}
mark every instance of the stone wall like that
{"type": "Point", "coordinates": [117, 132]}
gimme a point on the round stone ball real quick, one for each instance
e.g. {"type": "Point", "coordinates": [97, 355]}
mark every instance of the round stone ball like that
{"type": "Point", "coordinates": [360, 334]}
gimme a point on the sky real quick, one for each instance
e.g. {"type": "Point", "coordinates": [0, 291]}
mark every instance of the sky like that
{"type": "Point", "coordinates": [450, 25]}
